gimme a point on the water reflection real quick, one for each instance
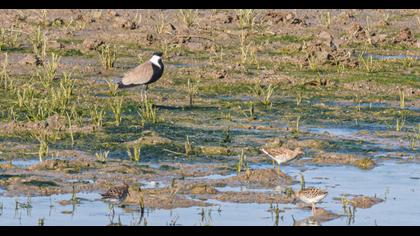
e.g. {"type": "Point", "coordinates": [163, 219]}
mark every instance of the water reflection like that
{"type": "Point", "coordinates": [309, 221]}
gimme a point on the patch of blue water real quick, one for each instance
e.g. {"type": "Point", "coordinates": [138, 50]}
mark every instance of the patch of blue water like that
{"type": "Point", "coordinates": [391, 57]}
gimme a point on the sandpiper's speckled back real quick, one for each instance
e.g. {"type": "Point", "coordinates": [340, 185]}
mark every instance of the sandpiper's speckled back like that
{"type": "Point", "coordinates": [116, 192]}
{"type": "Point", "coordinates": [282, 155]}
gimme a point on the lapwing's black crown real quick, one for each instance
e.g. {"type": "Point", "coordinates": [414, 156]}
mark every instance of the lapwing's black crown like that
{"type": "Point", "coordinates": [160, 54]}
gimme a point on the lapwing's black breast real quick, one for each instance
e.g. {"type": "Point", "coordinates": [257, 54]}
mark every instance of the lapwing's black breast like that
{"type": "Point", "coordinates": [157, 72]}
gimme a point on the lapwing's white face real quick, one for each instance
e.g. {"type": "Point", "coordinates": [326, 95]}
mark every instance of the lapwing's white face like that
{"type": "Point", "coordinates": [155, 60]}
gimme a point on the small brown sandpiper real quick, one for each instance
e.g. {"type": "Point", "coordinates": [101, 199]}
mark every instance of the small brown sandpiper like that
{"type": "Point", "coordinates": [311, 196]}
{"type": "Point", "coordinates": [281, 154]}
{"type": "Point", "coordinates": [116, 193]}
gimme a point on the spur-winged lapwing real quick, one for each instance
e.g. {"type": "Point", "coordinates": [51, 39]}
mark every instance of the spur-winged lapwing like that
{"type": "Point", "coordinates": [144, 74]}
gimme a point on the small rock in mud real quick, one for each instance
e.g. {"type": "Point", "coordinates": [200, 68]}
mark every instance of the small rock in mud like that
{"type": "Point", "coordinates": [379, 38]}
{"type": "Point", "coordinates": [292, 19]}
{"type": "Point", "coordinates": [346, 159]}
{"type": "Point", "coordinates": [214, 150]}
{"type": "Point", "coordinates": [326, 39]}
{"type": "Point", "coordinates": [220, 74]}
{"type": "Point", "coordinates": [405, 35]}
{"type": "Point", "coordinates": [334, 158]}
{"type": "Point", "coordinates": [57, 22]}
{"type": "Point", "coordinates": [260, 178]}
{"type": "Point", "coordinates": [28, 60]}
{"type": "Point", "coordinates": [277, 17]}
{"type": "Point", "coordinates": [274, 17]}
{"type": "Point", "coordinates": [365, 201]}
{"type": "Point", "coordinates": [56, 122]}
{"type": "Point", "coordinates": [56, 45]}
{"type": "Point", "coordinates": [150, 138]}
{"type": "Point", "coordinates": [357, 31]}
{"type": "Point", "coordinates": [125, 23]}
{"type": "Point", "coordinates": [113, 13]}
{"type": "Point", "coordinates": [151, 38]}
{"type": "Point", "coordinates": [324, 50]}
{"type": "Point", "coordinates": [182, 39]}
{"type": "Point", "coordinates": [200, 189]}
{"type": "Point", "coordinates": [91, 44]}
{"type": "Point", "coordinates": [365, 163]}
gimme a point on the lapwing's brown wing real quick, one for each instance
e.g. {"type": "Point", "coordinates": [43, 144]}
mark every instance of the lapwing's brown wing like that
{"type": "Point", "coordinates": [141, 74]}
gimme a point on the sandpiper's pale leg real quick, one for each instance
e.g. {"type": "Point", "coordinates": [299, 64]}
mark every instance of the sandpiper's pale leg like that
{"type": "Point", "coordinates": [278, 170]}
{"type": "Point", "coordinates": [313, 209]}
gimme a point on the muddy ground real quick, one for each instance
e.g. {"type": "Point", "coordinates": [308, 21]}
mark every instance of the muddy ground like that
{"type": "Point", "coordinates": [292, 78]}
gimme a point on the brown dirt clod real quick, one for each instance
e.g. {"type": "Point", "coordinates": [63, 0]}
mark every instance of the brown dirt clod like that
{"type": "Point", "coordinates": [365, 201]}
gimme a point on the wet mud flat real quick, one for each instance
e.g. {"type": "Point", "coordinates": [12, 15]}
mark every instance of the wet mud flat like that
{"type": "Point", "coordinates": [388, 188]}
{"type": "Point", "coordinates": [347, 94]}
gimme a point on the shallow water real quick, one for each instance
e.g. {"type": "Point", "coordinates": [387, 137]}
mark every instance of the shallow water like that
{"type": "Point", "coordinates": [214, 176]}
{"type": "Point", "coordinates": [21, 163]}
{"type": "Point", "coordinates": [398, 183]}
{"type": "Point", "coordinates": [391, 57]}
{"type": "Point", "coordinates": [341, 132]}
{"type": "Point", "coordinates": [371, 105]}
{"type": "Point", "coordinates": [395, 182]}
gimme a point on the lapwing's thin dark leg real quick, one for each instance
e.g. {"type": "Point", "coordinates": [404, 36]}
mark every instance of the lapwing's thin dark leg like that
{"type": "Point", "coordinates": [145, 90]}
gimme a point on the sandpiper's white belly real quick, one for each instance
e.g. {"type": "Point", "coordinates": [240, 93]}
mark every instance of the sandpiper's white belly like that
{"type": "Point", "coordinates": [281, 159]}
{"type": "Point", "coordinates": [311, 200]}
